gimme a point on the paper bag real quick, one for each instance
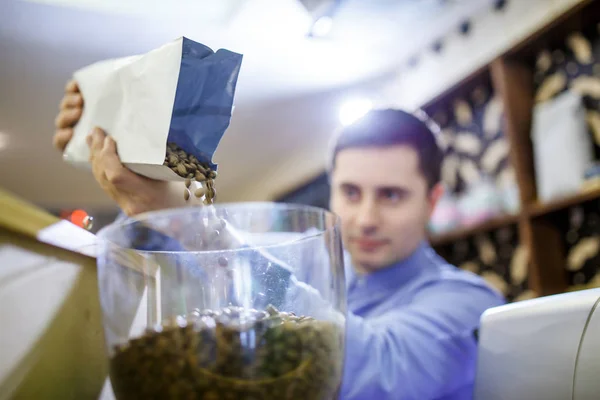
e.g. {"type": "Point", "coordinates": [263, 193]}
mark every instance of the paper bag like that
{"type": "Point", "coordinates": [177, 98]}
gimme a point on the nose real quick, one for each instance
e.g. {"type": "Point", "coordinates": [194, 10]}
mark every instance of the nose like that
{"type": "Point", "coordinates": [367, 217]}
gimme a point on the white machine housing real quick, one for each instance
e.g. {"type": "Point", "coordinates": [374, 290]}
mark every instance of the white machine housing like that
{"type": "Point", "coordinates": [546, 348]}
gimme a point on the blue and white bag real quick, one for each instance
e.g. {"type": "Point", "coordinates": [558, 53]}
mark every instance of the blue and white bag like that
{"type": "Point", "coordinates": [180, 93]}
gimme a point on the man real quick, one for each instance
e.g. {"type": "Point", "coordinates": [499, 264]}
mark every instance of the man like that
{"type": "Point", "coordinates": [412, 317]}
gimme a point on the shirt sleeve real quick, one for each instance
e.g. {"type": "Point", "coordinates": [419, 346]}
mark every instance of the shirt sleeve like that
{"type": "Point", "coordinates": [424, 350]}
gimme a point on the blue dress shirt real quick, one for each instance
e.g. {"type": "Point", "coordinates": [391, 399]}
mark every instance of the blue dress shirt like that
{"type": "Point", "coordinates": [410, 330]}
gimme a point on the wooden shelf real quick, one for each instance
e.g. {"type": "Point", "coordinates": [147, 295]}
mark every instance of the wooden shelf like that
{"type": "Point", "coordinates": [533, 210]}
{"type": "Point", "coordinates": [580, 15]}
{"type": "Point", "coordinates": [539, 209]}
{"type": "Point", "coordinates": [463, 233]}
{"type": "Point", "coordinates": [512, 77]}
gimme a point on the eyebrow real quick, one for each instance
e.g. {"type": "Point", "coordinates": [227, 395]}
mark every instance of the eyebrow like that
{"type": "Point", "coordinates": [399, 189]}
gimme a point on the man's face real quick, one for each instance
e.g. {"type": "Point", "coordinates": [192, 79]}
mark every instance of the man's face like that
{"type": "Point", "coordinates": [384, 204]}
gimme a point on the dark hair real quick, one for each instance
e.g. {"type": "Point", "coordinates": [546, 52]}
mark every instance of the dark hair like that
{"type": "Point", "coordinates": [389, 127]}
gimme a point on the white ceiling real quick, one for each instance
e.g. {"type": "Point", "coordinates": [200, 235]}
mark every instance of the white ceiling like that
{"type": "Point", "coordinates": [288, 92]}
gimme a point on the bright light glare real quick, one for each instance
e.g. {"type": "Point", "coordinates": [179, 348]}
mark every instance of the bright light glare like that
{"type": "Point", "coordinates": [322, 26]}
{"type": "Point", "coordinates": [353, 110]}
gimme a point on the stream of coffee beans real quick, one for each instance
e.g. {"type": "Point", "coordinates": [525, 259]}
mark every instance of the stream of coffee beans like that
{"type": "Point", "coordinates": [232, 354]}
{"type": "Point", "coordinates": [188, 167]}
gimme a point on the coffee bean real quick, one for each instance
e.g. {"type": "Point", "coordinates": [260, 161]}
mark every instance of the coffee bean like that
{"type": "Point", "coordinates": [200, 177]}
{"type": "Point", "coordinates": [186, 194]}
{"type": "Point", "coordinates": [188, 182]}
{"type": "Point", "coordinates": [292, 354]}
{"type": "Point", "coordinates": [210, 192]}
{"type": "Point", "coordinates": [199, 192]}
{"type": "Point", "coordinates": [181, 170]}
{"type": "Point", "coordinates": [202, 169]}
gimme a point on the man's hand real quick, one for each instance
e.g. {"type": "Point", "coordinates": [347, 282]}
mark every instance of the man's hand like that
{"type": "Point", "coordinates": [133, 193]}
{"type": "Point", "coordinates": [71, 108]}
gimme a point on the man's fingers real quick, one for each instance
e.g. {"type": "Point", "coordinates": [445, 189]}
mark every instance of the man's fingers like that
{"type": "Point", "coordinates": [106, 165]}
{"type": "Point", "coordinates": [71, 86]}
{"type": "Point", "coordinates": [67, 118]}
{"type": "Point", "coordinates": [95, 142]}
{"type": "Point", "coordinates": [62, 138]}
{"type": "Point", "coordinates": [115, 172]}
{"type": "Point", "coordinates": [71, 100]}
{"type": "Point", "coordinates": [71, 110]}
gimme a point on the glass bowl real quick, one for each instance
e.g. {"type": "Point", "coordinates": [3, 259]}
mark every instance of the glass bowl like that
{"type": "Point", "coordinates": [232, 301]}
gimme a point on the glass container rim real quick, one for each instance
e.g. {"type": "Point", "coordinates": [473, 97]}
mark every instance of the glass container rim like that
{"type": "Point", "coordinates": [104, 233]}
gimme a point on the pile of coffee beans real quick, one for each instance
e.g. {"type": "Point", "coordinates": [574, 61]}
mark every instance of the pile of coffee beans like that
{"type": "Point", "coordinates": [188, 167]}
{"type": "Point", "coordinates": [235, 354]}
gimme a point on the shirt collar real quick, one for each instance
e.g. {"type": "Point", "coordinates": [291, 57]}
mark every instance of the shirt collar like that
{"type": "Point", "coordinates": [395, 275]}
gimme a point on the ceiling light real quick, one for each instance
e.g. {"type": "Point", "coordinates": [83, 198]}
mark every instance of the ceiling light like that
{"type": "Point", "coordinates": [354, 109]}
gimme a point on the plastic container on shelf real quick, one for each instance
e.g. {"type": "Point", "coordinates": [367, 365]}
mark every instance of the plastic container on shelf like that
{"type": "Point", "coordinates": [233, 301]}
{"type": "Point", "coordinates": [563, 148]}
{"type": "Point", "coordinates": [480, 202]}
